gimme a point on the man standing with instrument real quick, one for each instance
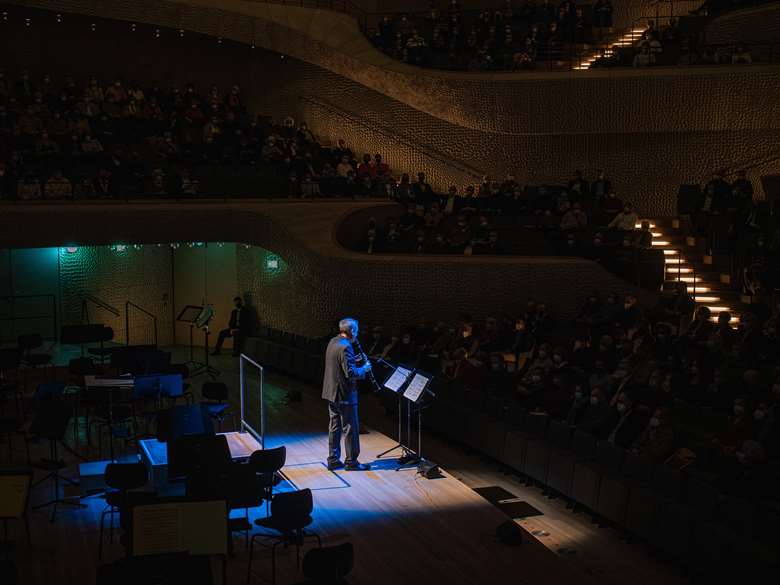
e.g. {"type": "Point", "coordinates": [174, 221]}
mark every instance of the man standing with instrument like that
{"type": "Point", "coordinates": [339, 388]}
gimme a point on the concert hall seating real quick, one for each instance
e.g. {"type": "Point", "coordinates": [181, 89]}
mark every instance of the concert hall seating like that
{"type": "Point", "coordinates": [681, 510]}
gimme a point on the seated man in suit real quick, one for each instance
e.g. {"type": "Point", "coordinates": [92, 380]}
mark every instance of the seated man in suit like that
{"type": "Point", "coordinates": [238, 328]}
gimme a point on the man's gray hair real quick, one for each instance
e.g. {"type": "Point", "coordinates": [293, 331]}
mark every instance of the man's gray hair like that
{"type": "Point", "coordinates": [347, 325]}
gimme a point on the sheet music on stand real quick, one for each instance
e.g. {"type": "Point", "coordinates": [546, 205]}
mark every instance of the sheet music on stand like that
{"type": "Point", "coordinates": [397, 379]}
{"type": "Point", "coordinates": [417, 386]}
{"type": "Point", "coordinates": [198, 528]}
{"type": "Point", "coordinates": [14, 489]}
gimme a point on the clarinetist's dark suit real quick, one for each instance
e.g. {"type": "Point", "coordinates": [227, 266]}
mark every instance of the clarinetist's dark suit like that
{"type": "Point", "coordinates": [339, 388]}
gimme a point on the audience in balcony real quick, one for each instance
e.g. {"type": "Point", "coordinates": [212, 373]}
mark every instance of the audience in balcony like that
{"type": "Point", "coordinates": [670, 45]}
{"type": "Point", "coordinates": [485, 219]}
{"type": "Point", "coordinates": [68, 137]}
{"type": "Point", "coordinates": [512, 37]}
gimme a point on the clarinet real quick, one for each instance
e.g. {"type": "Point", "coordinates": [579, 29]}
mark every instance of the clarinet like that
{"type": "Point", "coordinates": [370, 373]}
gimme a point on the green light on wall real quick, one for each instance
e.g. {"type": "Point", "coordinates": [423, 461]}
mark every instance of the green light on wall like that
{"type": "Point", "coordinates": [69, 249]}
{"type": "Point", "coordinates": [272, 263]}
{"type": "Point", "coordinates": [119, 248]}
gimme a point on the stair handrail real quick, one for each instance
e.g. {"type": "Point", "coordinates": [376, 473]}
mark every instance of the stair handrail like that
{"type": "Point", "coordinates": [375, 127]}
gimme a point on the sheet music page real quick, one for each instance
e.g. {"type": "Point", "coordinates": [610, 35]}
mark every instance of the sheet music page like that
{"type": "Point", "coordinates": [204, 527]}
{"type": "Point", "coordinates": [397, 379]}
{"type": "Point", "coordinates": [157, 529]}
{"type": "Point", "coordinates": [416, 387]}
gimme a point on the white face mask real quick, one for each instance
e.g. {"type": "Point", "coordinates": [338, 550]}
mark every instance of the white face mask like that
{"type": "Point", "coordinates": [655, 422]}
{"type": "Point", "coordinates": [621, 407]}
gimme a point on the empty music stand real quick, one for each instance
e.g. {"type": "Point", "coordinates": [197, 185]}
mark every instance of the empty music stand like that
{"type": "Point", "coordinates": [189, 315]}
{"type": "Point", "coordinates": [51, 421]}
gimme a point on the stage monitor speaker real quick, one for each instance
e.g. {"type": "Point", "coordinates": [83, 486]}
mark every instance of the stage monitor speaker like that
{"type": "Point", "coordinates": [509, 533]}
{"type": "Point", "coordinates": [429, 470]}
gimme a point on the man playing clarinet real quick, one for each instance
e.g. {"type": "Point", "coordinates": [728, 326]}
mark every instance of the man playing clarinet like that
{"type": "Point", "coordinates": [339, 388]}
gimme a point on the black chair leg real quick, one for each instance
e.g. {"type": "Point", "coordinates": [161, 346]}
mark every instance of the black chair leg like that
{"type": "Point", "coordinates": [251, 553]}
{"type": "Point", "coordinates": [100, 538]}
{"type": "Point", "coordinates": [273, 562]}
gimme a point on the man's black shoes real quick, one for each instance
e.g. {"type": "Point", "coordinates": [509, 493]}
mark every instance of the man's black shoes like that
{"type": "Point", "coordinates": [357, 466]}
{"type": "Point", "coordinates": [334, 465]}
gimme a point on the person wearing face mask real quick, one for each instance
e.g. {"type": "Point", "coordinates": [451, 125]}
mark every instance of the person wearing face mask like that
{"type": "Point", "coordinates": [376, 342]}
{"type": "Point", "coordinates": [765, 426]}
{"type": "Point", "coordinates": [601, 186]}
{"type": "Point", "coordinates": [531, 388]}
{"type": "Point", "coordinates": [589, 312]}
{"type": "Point", "coordinates": [542, 359]}
{"type": "Point", "coordinates": [610, 205]}
{"type": "Point", "coordinates": [557, 397]}
{"type": "Point", "coordinates": [7, 182]}
{"type": "Point", "coordinates": [629, 315]}
{"type": "Point", "coordinates": [626, 220]}
{"type": "Point", "coordinates": [407, 353]}
{"type": "Point", "coordinates": [481, 231]}
{"type": "Point", "coordinates": [656, 441]}
{"type": "Point", "coordinates": [498, 382]}
{"type": "Point", "coordinates": [627, 421]}
{"type": "Point", "coordinates": [560, 362]}
{"type": "Point", "coordinates": [601, 377]}
{"type": "Point", "coordinates": [238, 328]}
{"type": "Point", "coordinates": [522, 345]}
{"type": "Point", "coordinates": [701, 328]}
{"type": "Point", "coordinates": [674, 304]}
{"type": "Point", "coordinates": [578, 405]}
{"type": "Point", "coordinates": [724, 337]}
{"type": "Point", "coordinates": [738, 429]}
{"type": "Point", "coordinates": [746, 474]}
{"type": "Point", "coordinates": [596, 415]}
{"type": "Point", "coordinates": [648, 393]}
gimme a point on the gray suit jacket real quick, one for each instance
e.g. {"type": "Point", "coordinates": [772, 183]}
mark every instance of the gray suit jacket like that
{"type": "Point", "coordinates": [341, 372]}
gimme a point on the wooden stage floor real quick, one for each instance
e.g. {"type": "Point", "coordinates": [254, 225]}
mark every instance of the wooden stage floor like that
{"type": "Point", "coordinates": [405, 529]}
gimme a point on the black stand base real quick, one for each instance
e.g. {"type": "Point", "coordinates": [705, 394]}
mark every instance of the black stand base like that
{"type": "Point", "coordinates": [408, 457]}
{"type": "Point", "coordinates": [57, 501]}
{"type": "Point", "coordinates": [201, 368]}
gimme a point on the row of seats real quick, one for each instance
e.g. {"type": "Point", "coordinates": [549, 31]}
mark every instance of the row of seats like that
{"type": "Point", "coordinates": [681, 515]}
{"type": "Point", "coordinates": [290, 354]}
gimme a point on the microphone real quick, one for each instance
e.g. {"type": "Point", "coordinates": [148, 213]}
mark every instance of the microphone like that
{"type": "Point", "coordinates": [370, 373]}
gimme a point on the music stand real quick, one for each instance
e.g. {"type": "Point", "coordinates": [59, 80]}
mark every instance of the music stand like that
{"type": "Point", "coordinates": [203, 321]}
{"type": "Point", "coordinates": [417, 388]}
{"type": "Point", "coordinates": [396, 383]}
{"type": "Point", "coordinates": [189, 315]}
{"type": "Point", "coordinates": [51, 421]}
